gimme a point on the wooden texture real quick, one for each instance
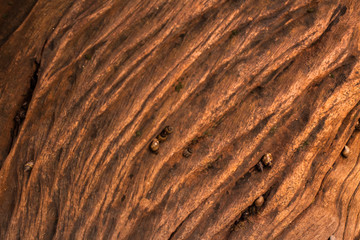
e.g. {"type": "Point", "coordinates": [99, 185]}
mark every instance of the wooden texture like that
{"type": "Point", "coordinates": [235, 79]}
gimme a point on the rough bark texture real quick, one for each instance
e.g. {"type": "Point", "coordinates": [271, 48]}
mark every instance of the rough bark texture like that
{"type": "Point", "coordinates": [235, 79]}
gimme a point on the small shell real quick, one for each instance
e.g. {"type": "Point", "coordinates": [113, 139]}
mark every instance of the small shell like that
{"type": "Point", "coordinates": [346, 151]}
{"type": "Point", "coordinates": [357, 125]}
{"type": "Point", "coordinates": [187, 152]}
{"type": "Point", "coordinates": [332, 237]}
{"type": "Point", "coordinates": [168, 129]}
{"type": "Point", "coordinates": [28, 166]}
{"type": "Point", "coordinates": [259, 202]}
{"type": "Point", "coordinates": [154, 145]}
{"type": "Point", "coordinates": [267, 159]}
{"type": "Point", "coordinates": [161, 137]}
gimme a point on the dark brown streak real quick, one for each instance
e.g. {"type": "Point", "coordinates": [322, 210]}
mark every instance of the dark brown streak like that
{"type": "Point", "coordinates": [182, 222]}
{"type": "Point", "coordinates": [348, 210]}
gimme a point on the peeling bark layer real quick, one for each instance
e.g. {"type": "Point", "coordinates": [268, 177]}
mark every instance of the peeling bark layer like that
{"type": "Point", "coordinates": [86, 85]}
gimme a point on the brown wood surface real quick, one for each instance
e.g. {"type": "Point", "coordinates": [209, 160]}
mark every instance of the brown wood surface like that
{"type": "Point", "coordinates": [235, 79]}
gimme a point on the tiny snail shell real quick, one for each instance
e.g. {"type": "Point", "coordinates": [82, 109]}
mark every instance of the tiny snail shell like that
{"type": "Point", "coordinates": [332, 237]}
{"type": "Point", "coordinates": [161, 137]}
{"type": "Point", "coordinates": [267, 159]}
{"type": "Point", "coordinates": [154, 145]}
{"type": "Point", "coordinates": [168, 129]}
{"type": "Point", "coordinates": [260, 166]}
{"type": "Point", "coordinates": [346, 151]}
{"type": "Point", "coordinates": [28, 166]}
{"type": "Point", "coordinates": [259, 202]}
{"type": "Point", "coordinates": [357, 125]}
{"type": "Point", "coordinates": [187, 152]}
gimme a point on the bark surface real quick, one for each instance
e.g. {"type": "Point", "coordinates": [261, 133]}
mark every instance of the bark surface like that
{"type": "Point", "coordinates": [86, 85]}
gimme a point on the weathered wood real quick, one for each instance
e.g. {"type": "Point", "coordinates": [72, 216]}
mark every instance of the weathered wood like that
{"type": "Point", "coordinates": [235, 79]}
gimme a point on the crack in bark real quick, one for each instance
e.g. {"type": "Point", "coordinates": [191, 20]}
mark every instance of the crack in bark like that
{"type": "Point", "coordinates": [21, 113]}
{"type": "Point", "coordinates": [339, 11]}
{"type": "Point", "coordinates": [179, 226]}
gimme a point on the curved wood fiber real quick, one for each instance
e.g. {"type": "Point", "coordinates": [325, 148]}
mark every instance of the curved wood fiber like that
{"type": "Point", "coordinates": [85, 86]}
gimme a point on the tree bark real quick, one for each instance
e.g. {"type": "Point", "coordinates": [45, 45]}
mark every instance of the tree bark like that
{"type": "Point", "coordinates": [85, 86]}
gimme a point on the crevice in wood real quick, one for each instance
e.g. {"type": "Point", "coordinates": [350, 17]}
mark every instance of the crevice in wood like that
{"type": "Point", "coordinates": [338, 12]}
{"type": "Point", "coordinates": [249, 211]}
{"type": "Point", "coordinates": [235, 79]}
{"type": "Point", "coordinates": [179, 226]}
{"type": "Point", "coordinates": [21, 114]}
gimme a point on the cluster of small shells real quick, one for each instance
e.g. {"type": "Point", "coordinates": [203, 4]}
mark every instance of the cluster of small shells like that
{"type": "Point", "coordinates": [155, 143]}
{"type": "Point", "coordinates": [266, 161]}
{"type": "Point", "coordinates": [28, 166]}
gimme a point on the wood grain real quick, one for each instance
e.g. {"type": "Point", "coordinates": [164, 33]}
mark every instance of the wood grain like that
{"type": "Point", "coordinates": [235, 79]}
